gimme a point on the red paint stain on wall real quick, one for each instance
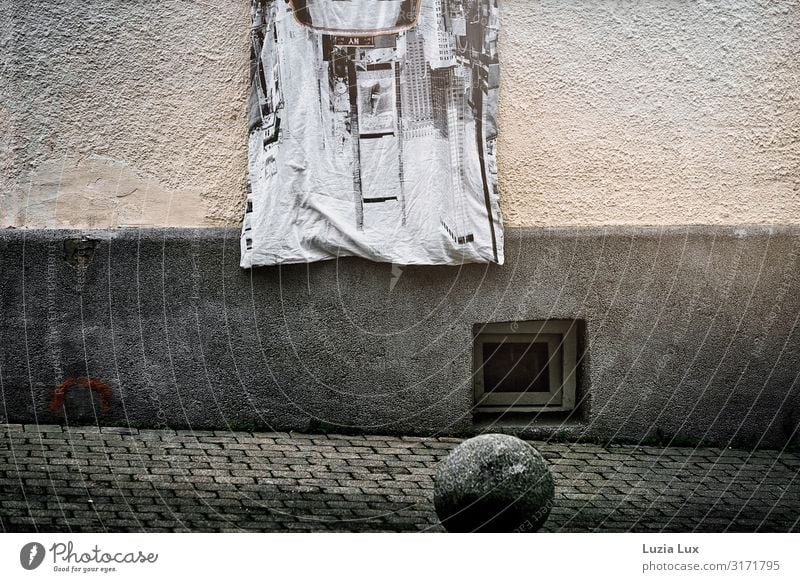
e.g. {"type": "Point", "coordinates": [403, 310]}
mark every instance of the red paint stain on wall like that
{"type": "Point", "coordinates": [60, 392]}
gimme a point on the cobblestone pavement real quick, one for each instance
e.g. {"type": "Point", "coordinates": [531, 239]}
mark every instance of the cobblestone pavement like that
{"type": "Point", "coordinates": [113, 479]}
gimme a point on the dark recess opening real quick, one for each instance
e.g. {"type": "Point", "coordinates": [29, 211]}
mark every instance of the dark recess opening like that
{"type": "Point", "coordinates": [515, 367]}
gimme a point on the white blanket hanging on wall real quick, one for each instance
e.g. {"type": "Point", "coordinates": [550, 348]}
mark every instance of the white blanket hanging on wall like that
{"type": "Point", "coordinates": [373, 133]}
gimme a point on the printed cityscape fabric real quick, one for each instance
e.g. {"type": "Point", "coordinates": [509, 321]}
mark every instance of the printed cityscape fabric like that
{"type": "Point", "coordinates": [372, 132]}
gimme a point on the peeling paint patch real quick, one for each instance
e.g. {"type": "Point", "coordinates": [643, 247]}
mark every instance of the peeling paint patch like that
{"type": "Point", "coordinates": [99, 191]}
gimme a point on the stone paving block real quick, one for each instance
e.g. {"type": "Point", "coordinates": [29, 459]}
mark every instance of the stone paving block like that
{"type": "Point", "coordinates": [304, 454]}
{"type": "Point", "coordinates": [361, 451]}
{"type": "Point", "coordinates": [42, 428]}
{"type": "Point", "coordinates": [367, 463]}
{"type": "Point", "coordinates": [69, 461]}
{"type": "Point", "coordinates": [331, 471]}
{"type": "Point", "coordinates": [119, 430]}
{"type": "Point", "coordinates": [9, 428]}
{"type": "Point", "coordinates": [282, 461]}
{"type": "Point", "coordinates": [202, 481]}
{"type": "Point", "coordinates": [281, 472]}
{"type": "Point", "coordinates": [233, 480]}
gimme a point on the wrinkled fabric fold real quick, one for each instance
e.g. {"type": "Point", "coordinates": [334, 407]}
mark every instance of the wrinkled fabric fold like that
{"type": "Point", "coordinates": [371, 143]}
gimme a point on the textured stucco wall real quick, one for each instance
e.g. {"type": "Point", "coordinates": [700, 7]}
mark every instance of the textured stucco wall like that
{"type": "Point", "coordinates": [650, 112]}
{"type": "Point", "coordinates": [124, 113]}
{"type": "Point", "coordinates": [612, 112]}
{"type": "Point", "coordinates": [691, 333]}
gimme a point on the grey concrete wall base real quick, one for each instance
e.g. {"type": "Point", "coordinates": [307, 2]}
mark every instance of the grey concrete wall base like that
{"type": "Point", "coordinates": [690, 334]}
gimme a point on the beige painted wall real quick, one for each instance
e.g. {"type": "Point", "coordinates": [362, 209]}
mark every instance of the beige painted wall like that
{"type": "Point", "coordinates": [612, 112]}
{"type": "Point", "coordinates": [125, 113]}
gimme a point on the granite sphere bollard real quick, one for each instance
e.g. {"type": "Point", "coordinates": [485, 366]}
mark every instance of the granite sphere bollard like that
{"type": "Point", "coordinates": [493, 483]}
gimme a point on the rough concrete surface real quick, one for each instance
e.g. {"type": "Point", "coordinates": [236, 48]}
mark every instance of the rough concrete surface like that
{"type": "Point", "coordinates": [612, 112]}
{"type": "Point", "coordinates": [493, 483]}
{"type": "Point", "coordinates": [691, 334]}
{"type": "Point", "coordinates": [86, 479]}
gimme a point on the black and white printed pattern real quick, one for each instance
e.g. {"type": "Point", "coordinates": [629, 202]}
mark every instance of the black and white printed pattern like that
{"type": "Point", "coordinates": [372, 132]}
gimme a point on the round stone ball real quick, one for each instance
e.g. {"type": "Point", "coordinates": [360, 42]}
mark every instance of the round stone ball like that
{"type": "Point", "coordinates": [493, 483]}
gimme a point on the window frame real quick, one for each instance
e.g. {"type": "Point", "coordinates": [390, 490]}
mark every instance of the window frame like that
{"type": "Point", "coordinates": [562, 346]}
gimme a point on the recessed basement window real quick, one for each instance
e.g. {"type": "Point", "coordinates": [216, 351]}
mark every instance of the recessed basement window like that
{"type": "Point", "coordinates": [525, 366]}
